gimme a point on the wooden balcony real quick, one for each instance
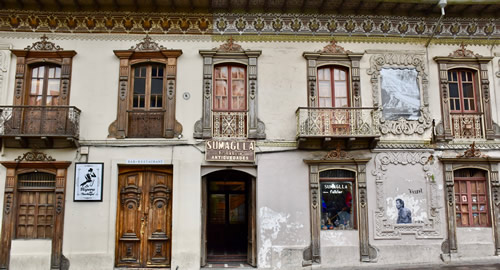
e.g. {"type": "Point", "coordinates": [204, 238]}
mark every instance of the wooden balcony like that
{"type": "Point", "coordinates": [146, 124]}
{"type": "Point", "coordinates": [467, 126]}
{"type": "Point", "coordinates": [325, 128]}
{"type": "Point", "coordinates": [40, 126]}
{"type": "Point", "coordinates": [229, 124]}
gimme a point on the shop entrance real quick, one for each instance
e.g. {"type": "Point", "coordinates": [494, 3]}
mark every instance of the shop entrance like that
{"type": "Point", "coordinates": [144, 217]}
{"type": "Point", "coordinates": [229, 222]}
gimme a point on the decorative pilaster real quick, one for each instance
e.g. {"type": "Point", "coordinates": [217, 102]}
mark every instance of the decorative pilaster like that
{"type": "Point", "coordinates": [8, 220]}
{"type": "Point", "coordinates": [450, 209]}
{"type": "Point", "coordinates": [315, 213]}
{"type": "Point", "coordinates": [364, 237]}
{"type": "Point", "coordinates": [495, 192]}
{"type": "Point", "coordinates": [57, 238]}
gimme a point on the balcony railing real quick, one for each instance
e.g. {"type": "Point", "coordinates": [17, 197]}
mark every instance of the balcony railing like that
{"type": "Point", "coordinates": [229, 124]}
{"type": "Point", "coordinates": [146, 124]}
{"type": "Point", "coordinates": [331, 122]}
{"type": "Point", "coordinates": [44, 121]}
{"type": "Point", "coordinates": [467, 126]}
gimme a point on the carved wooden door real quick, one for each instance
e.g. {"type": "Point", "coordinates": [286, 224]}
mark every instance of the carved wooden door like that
{"type": "Point", "coordinates": [144, 217]}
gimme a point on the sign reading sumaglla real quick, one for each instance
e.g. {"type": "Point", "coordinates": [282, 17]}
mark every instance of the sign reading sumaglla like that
{"type": "Point", "coordinates": [230, 150]}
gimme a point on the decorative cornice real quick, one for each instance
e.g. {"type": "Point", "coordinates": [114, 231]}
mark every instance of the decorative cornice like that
{"type": "Point", "coordinates": [147, 45]}
{"type": "Point", "coordinates": [462, 52]}
{"type": "Point", "coordinates": [256, 25]}
{"type": "Point", "coordinates": [35, 155]}
{"type": "Point", "coordinates": [333, 48]}
{"type": "Point", "coordinates": [43, 45]}
{"type": "Point", "coordinates": [229, 46]}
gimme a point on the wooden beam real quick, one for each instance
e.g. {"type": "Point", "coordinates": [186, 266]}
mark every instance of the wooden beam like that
{"type": "Point", "coordinates": [375, 10]}
{"type": "Point", "coordinates": [20, 4]}
{"type": "Point", "coordinates": [172, 5]}
{"type": "Point", "coordinates": [77, 4]}
{"type": "Point", "coordinates": [59, 5]}
{"type": "Point", "coordinates": [285, 5]}
{"type": "Point", "coordinates": [394, 9]}
{"type": "Point", "coordinates": [22, 141]}
{"type": "Point", "coordinates": [360, 5]}
{"type": "Point", "coordinates": [303, 7]}
{"type": "Point", "coordinates": [2, 4]}
{"type": "Point", "coordinates": [155, 5]}
{"type": "Point", "coordinates": [97, 6]}
{"type": "Point", "coordinates": [115, 5]}
{"type": "Point", "coordinates": [247, 6]}
{"type": "Point", "coordinates": [340, 8]}
{"type": "Point", "coordinates": [322, 6]}
{"type": "Point", "coordinates": [49, 142]}
{"type": "Point", "coordinates": [39, 4]}
{"type": "Point", "coordinates": [136, 5]}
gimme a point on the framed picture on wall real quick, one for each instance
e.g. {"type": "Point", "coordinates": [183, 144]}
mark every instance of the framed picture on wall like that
{"type": "Point", "coordinates": [88, 182]}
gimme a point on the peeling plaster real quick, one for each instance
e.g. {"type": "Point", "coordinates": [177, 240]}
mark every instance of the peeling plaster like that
{"type": "Point", "coordinates": [273, 223]}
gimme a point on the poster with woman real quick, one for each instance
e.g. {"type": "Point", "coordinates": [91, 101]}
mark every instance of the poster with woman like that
{"type": "Point", "coordinates": [88, 181]}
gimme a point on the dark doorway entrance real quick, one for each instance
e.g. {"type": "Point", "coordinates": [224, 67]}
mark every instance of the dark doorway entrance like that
{"type": "Point", "coordinates": [229, 217]}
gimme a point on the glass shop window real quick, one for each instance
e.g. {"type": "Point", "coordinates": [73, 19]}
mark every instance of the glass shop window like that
{"type": "Point", "coordinates": [338, 208]}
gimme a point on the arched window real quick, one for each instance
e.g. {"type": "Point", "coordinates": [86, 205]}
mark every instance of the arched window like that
{"type": "Point", "coordinates": [230, 88]}
{"type": "Point", "coordinates": [462, 91]}
{"type": "Point", "coordinates": [338, 208]}
{"type": "Point", "coordinates": [471, 198]}
{"type": "Point", "coordinates": [333, 87]}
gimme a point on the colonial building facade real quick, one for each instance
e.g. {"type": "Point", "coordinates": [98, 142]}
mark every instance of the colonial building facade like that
{"type": "Point", "coordinates": [248, 134]}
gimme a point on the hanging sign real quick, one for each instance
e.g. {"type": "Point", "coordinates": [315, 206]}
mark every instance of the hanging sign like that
{"type": "Point", "coordinates": [230, 150]}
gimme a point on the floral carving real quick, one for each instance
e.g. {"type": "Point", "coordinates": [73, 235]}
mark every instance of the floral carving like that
{"type": "Point", "coordinates": [229, 46]}
{"type": "Point", "coordinates": [472, 152]}
{"type": "Point", "coordinates": [147, 45]}
{"type": "Point", "coordinates": [43, 45]}
{"type": "Point", "coordinates": [334, 48]}
{"type": "Point", "coordinates": [462, 52]}
{"type": "Point", "coordinates": [336, 154]}
{"type": "Point", "coordinates": [34, 156]}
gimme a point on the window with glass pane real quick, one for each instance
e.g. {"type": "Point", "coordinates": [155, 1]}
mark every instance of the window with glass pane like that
{"type": "Point", "coordinates": [462, 91]}
{"type": "Point", "coordinates": [148, 86]}
{"type": "Point", "coordinates": [471, 198]}
{"type": "Point", "coordinates": [337, 200]}
{"type": "Point", "coordinates": [333, 87]}
{"type": "Point", "coordinates": [230, 88]}
{"type": "Point", "coordinates": [45, 85]}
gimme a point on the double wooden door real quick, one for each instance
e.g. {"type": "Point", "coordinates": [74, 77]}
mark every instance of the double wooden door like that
{"type": "Point", "coordinates": [144, 217]}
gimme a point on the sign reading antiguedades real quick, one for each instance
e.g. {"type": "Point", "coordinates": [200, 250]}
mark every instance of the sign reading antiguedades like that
{"type": "Point", "coordinates": [230, 150]}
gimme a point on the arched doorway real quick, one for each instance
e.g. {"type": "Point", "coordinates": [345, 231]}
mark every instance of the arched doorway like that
{"type": "Point", "coordinates": [228, 218]}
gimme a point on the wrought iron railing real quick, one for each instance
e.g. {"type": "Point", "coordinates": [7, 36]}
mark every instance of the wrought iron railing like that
{"type": "Point", "coordinates": [229, 124]}
{"type": "Point", "coordinates": [328, 122]}
{"type": "Point", "coordinates": [145, 124]}
{"type": "Point", "coordinates": [40, 121]}
{"type": "Point", "coordinates": [467, 126]}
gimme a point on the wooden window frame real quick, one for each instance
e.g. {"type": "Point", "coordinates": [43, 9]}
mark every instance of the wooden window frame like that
{"type": "Point", "coordinates": [146, 52]}
{"type": "Point", "coordinates": [229, 80]}
{"type": "Point", "coordinates": [10, 207]}
{"type": "Point", "coordinates": [354, 212]}
{"type": "Point", "coordinates": [28, 59]}
{"type": "Point", "coordinates": [470, 202]}
{"type": "Point", "coordinates": [460, 91]}
{"type": "Point", "coordinates": [465, 60]}
{"type": "Point", "coordinates": [332, 69]}
{"type": "Point", "coordinates": [230, 52]}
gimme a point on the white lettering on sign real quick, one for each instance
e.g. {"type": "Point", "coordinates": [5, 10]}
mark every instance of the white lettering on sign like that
{"type": "Point", "coordinates": [145, 161]}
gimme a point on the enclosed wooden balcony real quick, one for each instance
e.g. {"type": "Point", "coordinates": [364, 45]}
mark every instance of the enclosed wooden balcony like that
{"type": "Point", "coordinates": [326, 128]}
{"type": "Point", "coordinates": [40, 126]}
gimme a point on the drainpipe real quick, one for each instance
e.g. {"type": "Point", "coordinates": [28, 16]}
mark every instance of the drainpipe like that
{"type": "Point", "coordinates": [441, 4]}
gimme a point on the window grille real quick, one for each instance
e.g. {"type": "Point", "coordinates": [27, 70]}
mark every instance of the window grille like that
{"type": "Point", "coordinates": [336, 174]}
{"type": "Point", "coordinates": [36, 180]}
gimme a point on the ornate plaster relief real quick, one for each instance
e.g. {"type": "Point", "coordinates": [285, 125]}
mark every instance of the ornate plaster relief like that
{"type": "Point", "coordinates": [404, 61]}
{"type": "Point", "coordinates": [385, 227]}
